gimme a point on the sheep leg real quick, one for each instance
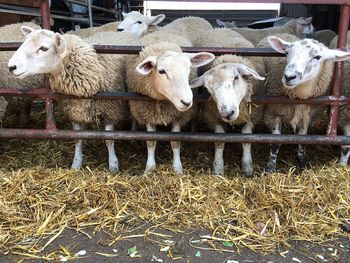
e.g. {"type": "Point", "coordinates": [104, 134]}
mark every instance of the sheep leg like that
{"type": "Point", "coordinates": [301, 153]}
{"type": "Point", "coordinates": [274, 148]}
{"type": "Point", "coordinates": [24, 116]}
{"type": "Point", "coordinates": [218, 165]}
{"type": "Point", "coordinates": [113, 162]}
{"type": "Point", "coordinates": [78, 154]}
{"type": "Point", "coordinates": [345, 149]}
{"type": "Point", "coordinates": [175, 146]}
{"type": "Point", "coordinates": [247, 163]}
{"type": "Point", "coordinates": [151, 149]}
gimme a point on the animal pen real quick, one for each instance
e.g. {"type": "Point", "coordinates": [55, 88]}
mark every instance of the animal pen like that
{"type": "Point", "coordinates": [52, 133]}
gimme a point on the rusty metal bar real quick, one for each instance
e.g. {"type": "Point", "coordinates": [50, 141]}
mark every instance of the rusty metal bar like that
{"type": "Point", "coordinates": [342, 38]}
{"type": "Point", "coordinates": [45, 14]}
{"type": "Point", "coordinates": [201, 98]}
{"type": "Point", "coordinates": [114, 49]}
{"type": "Point", "coordinates": [172, 136]}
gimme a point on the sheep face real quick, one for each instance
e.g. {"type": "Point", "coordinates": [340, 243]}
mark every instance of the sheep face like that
{"type": "Point", "coordinates": [41, 52]}
{"type": "Point", "coordinates": [137, 24]}
{"type": "Point", "coordinates": [227, 84]}
{"type": "Point", "coordinates": [169, 74]}
{"type": "Point", "coordinates": [304, 27]}
{"type": "Point", "coordinates": [305, 59]}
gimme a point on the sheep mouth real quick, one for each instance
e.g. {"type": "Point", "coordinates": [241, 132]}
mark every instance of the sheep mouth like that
{"type": "Point", "coordinates": [20, 75]}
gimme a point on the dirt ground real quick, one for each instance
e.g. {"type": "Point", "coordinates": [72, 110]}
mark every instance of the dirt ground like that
{"type": "Point", "coordinates": [185, 249]}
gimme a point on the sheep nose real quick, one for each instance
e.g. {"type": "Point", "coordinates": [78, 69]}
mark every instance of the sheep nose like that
{"type": "Point", "coordinates": [12, 68]}
{"type": "Point", "coordinates": [228, 116]}
{"type": "Point", "coordinates": [187, 104]}
{"type": "Point", "coordinates": [289, 78]}
{"type": "Point", "coordinates": [120, 29]}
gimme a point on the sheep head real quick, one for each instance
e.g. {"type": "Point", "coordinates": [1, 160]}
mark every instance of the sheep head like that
{"type": "Point", "coordinates": [169, 75]}
{"type": "Point", "coordinates": [137, 24]}
{"type": "Point", "coordinates": [227, 84]}
{"type": "Point", "coordinates": [41, 52]}
{"type": "Point", "coordinates": [305, 59]}
{"type": "Point", "coordinates": [304, 27]}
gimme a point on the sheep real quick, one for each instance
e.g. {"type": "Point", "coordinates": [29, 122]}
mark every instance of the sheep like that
{"type": "Point", "coordinates": [90, 31]}
{"type": "Point", "coordinates": [306, 72]}
{"type": "Point", "coordinates": [11, 33]}
{"type": "Point", "coordinates": [231, 82]}
{"type": "Point", "coordinates": [299, 27]}
{"type": "Point", "coordinates": [161, 71]}
{"type": "Point", "coordinates": [191, 27]}
{"type": "Point", "coordinates": [231, 24]}
{"type": "Point", "coordinates": [334, 42]}
{"type": "Point", "coordinates": [74, 68]}
{"type": "Point", "coordinates": [324, 36]}
{"type": "Point", "coordinates": [138, 24]}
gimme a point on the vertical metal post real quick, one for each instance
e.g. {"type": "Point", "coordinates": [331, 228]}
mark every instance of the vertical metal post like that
{"type": "Point", "coordinates": [45, 18]}
{"type": "Point", "coordinates": [342, 39]}
{"type": "Point", "coordinates": [45, 14]}
{"type": "Point", "coordinates": [89, 3]}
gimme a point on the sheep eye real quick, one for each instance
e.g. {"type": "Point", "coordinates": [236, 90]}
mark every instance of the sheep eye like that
{"type": "Point", "coordinates": [162, 71]}
{"type": "Point", "coordinates": [317, 57]}
{"type": "Point", "coordinates": [138, 22]}
{"type": "Point", "coordinates": [43, 48]}
{"type": "Point", "coordinates": [236, 78]}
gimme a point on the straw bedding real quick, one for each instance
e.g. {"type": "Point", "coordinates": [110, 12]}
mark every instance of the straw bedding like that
{"type": "Point", "coordinates": [40, 196]}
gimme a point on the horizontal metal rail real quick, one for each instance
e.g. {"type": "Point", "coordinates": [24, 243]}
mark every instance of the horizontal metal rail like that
{"type": "Point", "coordinates": [45, 93]}
{"type": "Point", "coordinates": [114, 49]}
{"type": "Point", "coordinates": [172, 136]}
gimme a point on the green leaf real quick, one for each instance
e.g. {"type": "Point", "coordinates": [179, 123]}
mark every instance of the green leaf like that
{"type": "Point", "coordinates": [198, 254]}
{"type": "Point", "coordinates": [132, 250]}
{"type": "Point", "coordinates": [227, 244]}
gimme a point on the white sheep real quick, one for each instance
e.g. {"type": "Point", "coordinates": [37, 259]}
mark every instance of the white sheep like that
{"type": "Point", "coordinates": [74, 68]}
{"type": "Point", "coordinates": [12, 33]}
{"type": "Point", "coordinates": [190, 27]}
{"type": "Point", "coordinates": [324, 36]}
{"type": "Point", "coordinates": [161, 71]}
{"type": "Point", "coordinates": [231, 82]}
{"type": "Point", "coordinates": [138, 24]}
{"type": "Point", "coordinates": [299, 27]}
{"type": "Point", "coordinates": [334, 42]}
{"type": "Point", "coordinates": [305, 72]}
{"type": "Point", "coordinates": [90, 31]}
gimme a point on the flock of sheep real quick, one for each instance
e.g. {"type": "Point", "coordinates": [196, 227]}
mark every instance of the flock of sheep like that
{"type": "Point", "coordinates": [168, 75]}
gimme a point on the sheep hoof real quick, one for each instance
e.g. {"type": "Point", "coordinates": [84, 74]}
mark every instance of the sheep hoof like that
{"type": "Point", "coordinates": [76, 166]}
{"type": "Point", "coordinates": [218, 171]}
{"type": "Point", "coordinates": [178, 170]}
{"type": "Point", "coordinates": [114, 169]}
{"type": "Point", "coordinates": [150, 169]}
{"type": "Point", "coordinates": [247, 171]}
{"type": "Point", "coordinates": [270, 168]}
{"type": "Point", "coordinates": [302, 164]}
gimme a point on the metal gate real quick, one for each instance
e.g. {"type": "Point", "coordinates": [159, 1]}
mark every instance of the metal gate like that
{"type": "Point", "coordinates": [52, 133]}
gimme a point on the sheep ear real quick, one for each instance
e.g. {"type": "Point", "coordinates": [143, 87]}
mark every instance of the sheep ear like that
{"type": "Point", "coordinates": [197, 82]}
{"type": "Point", "coordinates": [124, 14]}
{"type": "Point", "coordinates": [220, 23]}
{"type": "Point", "coordinates": [335, 55]}
{"type": "Point", "coordinates": [278, 44]}
{"type": "Point", "coordinates": [26, 30]}
{"type": "Point", "coordinates": [155, 20]}
{"type": "Point", "coordinates": [304, 21]}
{"type": "Point", "coordinates": [245, 71]}
{"type": "Point", "coordinates": [146, 66]}
{"type": "Point", "coordinates": [200, 59]}
{"type": "Point", "coordinates": [60, 44]}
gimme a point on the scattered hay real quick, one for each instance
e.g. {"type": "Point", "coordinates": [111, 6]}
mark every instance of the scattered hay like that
{"type": "Point", "coordinates": [40, 196]}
